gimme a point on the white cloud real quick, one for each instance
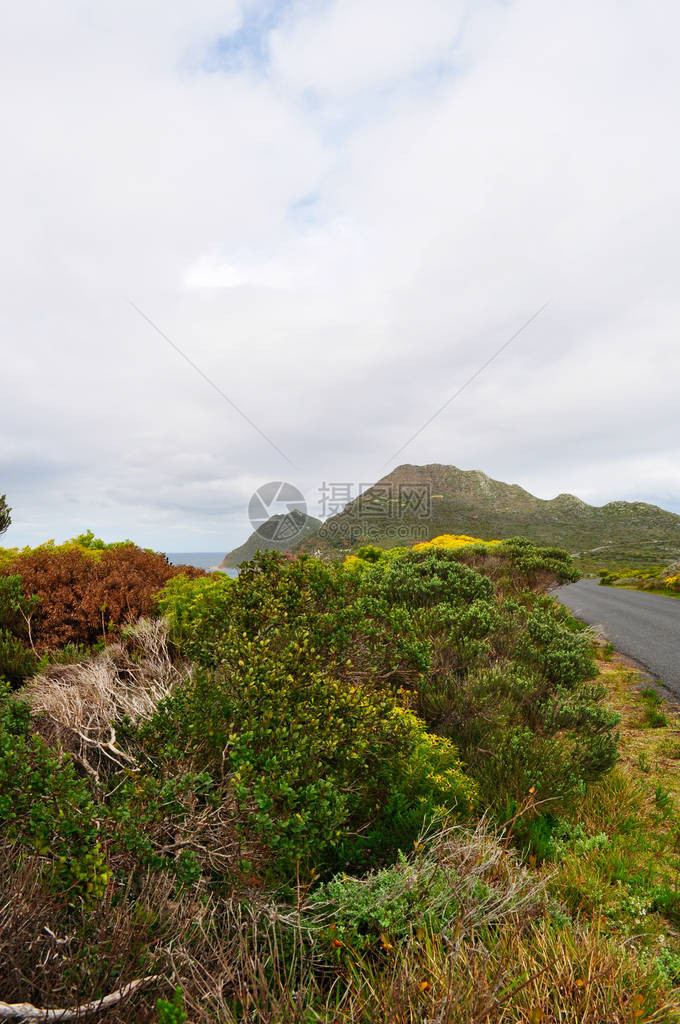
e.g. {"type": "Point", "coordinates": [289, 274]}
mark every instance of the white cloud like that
{"type": "Point", "coordinates": [349, 46]}
{"type": "Point", "coordinates": [339, 228]}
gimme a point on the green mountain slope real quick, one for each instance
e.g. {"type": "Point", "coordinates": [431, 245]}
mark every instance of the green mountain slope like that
{"type": "Point", "coordinates": [393, 512]}
{"type": "Point", "coordinates": [279, 533]}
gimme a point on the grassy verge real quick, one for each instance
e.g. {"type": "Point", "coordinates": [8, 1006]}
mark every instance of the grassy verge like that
{"type": "Point", "coordinates": [618, 860]}
{"type": "Point", "coordinates": [647, 590]}
{"type": "Point", "coordinates": [654, 579]}
{"type": "Point", "coordinates": [607, 946]}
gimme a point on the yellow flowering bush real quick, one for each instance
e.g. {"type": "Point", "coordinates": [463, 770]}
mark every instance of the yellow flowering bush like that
{"type": "Point", "coordinates": [435, 773]}
{"type": "Point", "coordinates": [452, 541]}
{"type": "Point", "coordinates": [656, 579]}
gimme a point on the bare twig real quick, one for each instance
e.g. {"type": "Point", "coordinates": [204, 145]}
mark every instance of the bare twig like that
{"type": "Point", "coordinates": [28, 1012]}
{"type": "Point", "coordinates": [27, 619]}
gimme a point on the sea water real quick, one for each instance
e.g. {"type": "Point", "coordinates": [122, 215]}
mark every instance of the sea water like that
{"type": "Point", "coordinates": [201, 559]}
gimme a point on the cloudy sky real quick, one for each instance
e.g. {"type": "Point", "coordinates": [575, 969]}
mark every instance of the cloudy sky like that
{"type": "Point", "coordinates": [338, 210]}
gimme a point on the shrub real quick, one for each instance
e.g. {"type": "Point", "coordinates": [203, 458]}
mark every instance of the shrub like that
{"type": "Point", "coordinates": [333, 710]}
{"type": "Point", "coordinates": [454, 881]}
{"type": "Point", "coordinates": [653, 716]}
{"type": "Point", "coordinates": [171, 1011]}
{"type": "Point", "coordinates": [513, 565]}
{"type": "Point", "coordinates": [45, 807]}
{"type": "Point", "coordinates": [655, 578]}
{"type": "Point", "coordinates": [368, 553]}
{"type": "Point", "coordinates": [346, 621]}
{"type": "Point", "coordinates": [510, 685]}
{"type": "Point", "coordinates": [517, 734]}
{"type": "Point", "coordinates": [195, 608]}
{"type": "Point", "coordinates": [566, 658]}
{"type": "Point", "coordinates": [517, 564]}
{"type": "Point", "coordinates": [17, 661]}
{"type": "Point", "coordinates": [83, 596]}
{"type": "Point", "coordinates": [5, 517]}
{"type": "Point", "coordinates": [506, 681]}
{"type": "Point", "coordinates": [452, 541]}
{"type": "Point", "coordinates": [429, 577]}
{"type": "Point", "coordinates": [324, 771]}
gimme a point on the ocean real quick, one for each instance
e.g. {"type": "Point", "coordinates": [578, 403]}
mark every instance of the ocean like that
{"type": "Point", "coordinates": [201, 559]}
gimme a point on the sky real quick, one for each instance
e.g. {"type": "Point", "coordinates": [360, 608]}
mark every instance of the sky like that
{"type": "Point", "coordinates": [338, 211]}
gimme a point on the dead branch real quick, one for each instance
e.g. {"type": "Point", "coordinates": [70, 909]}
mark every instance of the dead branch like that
{"type": "Point", "coordinates": [28, 1012]}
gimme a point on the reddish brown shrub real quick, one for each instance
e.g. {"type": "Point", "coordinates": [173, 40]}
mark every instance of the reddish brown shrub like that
{"type": "Point", "coordinates": [85, 598]}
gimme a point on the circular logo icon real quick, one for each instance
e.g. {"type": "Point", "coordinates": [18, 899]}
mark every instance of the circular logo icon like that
{"type": "Point", "coordinates": [277, 512]}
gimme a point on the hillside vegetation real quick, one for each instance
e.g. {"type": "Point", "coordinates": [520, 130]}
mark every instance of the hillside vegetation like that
{"type": "Point", "coordinates": [657, 579]}
{"type": "Point", "coordinates": [386, 790]}
{"type": "Point", "coordinates": [617, 535]}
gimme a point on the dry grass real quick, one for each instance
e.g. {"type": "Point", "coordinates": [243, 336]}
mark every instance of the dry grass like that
{"type": "Point", "coordinates": [78, 707]}
{"type": "Point", "coordinates": [649, 763]}
{"type": "Point", "coordinates": [244, 960]}
{"type": "Point", "coordinates": [546, 975]}
{"type": "Point", "coordinates": [54, 954]}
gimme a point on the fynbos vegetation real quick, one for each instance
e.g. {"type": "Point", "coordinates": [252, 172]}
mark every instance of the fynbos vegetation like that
{"type": "Point", "coordinates": [379, 790]}
{"type": "Point", "coordinates": [57, 600]}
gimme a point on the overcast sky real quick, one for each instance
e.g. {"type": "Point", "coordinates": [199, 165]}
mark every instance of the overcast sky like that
{"type": "Point", "coordinates": [338, 210]}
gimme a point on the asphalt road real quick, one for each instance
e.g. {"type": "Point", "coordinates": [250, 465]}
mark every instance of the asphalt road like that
{"type": "Point", "coordinates": [645, 627]}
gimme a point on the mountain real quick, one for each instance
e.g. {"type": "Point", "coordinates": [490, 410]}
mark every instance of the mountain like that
{"type": "Point", "coordinates": [280, 532]}
{"type": "Point", "coordinates": [415, 503]}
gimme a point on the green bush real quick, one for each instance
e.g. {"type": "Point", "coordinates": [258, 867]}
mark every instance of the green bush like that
{"type": "Point", "coordinates": [429, 577]}
{"type": "Point", "coordinates": [516, 732]}
{"type": "Point", "coordinates": [453, 881]}
{"type": "Point", "coordinates": [46, 807]}
{"type": "Point", "coordinates": [566, 658]}
{"type": "Point", "coordinates": [17, 661]}
{"type": "Point", "coordinates": [667, 966]}
{"type": "Point", "coordinates": [510, 684]}
{"type": "Point", "coordinates": [12, 603]}
{"type": "Point", "coordinates": [197, 610]}
{"type": "Point", "coordinates": [527, 559]}
{"type": "Point", "coordinates": [354, 630]}
{"type": "Point", "coordinates": [5, 516]}
{"type": "Point", "coordinates": [652, 700]}
{"type": "Point", "coordinates": [549, 837]}
{"type": "Point", "coordinates": [325, 772]}
{"type": "Point", "coordinates": [387, 906]}
{"type": "Point", "coordinates": [506, 680]}
{"type": "Point", "coordinates": [147, 807]}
